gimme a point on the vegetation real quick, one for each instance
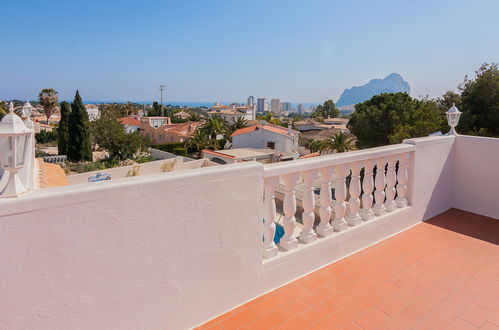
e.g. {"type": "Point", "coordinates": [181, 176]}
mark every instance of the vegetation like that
{"type": "Point", "coordinates": [63, 129]}
{"type": "Point", "coordinates": [200, 140]}
{"type": "Point", "coordinates": [313, 145]}
{"type": "Point", "coordinates": [238, 123]}
{"type": "Point", "coordinates": [79, 146]}
{"type": "Point", "coordinates": [194, 116]}
{"type": "Point", "coordinates": [391, 117]}
{"type": "Point", "coordinates": [214, 126]}
{"type": "Point", "coordinates": [108, 134]}
{"type": "Point", "coordinates": [338, 142]}
{"type": "Point", "coordinates": [46, 136]}
{"type": "Point", "coordinates": [479, 102]}
{"type": "Point", "coordinates": [326, 110]}
{"type": "Point", "coordinates": [3, 110]}
{"type": "Point", "coordinates": [48, 100]}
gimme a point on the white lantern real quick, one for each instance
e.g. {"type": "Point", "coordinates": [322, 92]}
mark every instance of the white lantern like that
{"type": "Point", "coordinates": [13, 147]}
{"type": "Point", "coordinates": [453, 115]}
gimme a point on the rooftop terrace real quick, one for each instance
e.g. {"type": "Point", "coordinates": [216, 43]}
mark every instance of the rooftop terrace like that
{"type": "Point", "coordinates": [378, 232]}
{"type": "Point", "coordinates": [440, 273]}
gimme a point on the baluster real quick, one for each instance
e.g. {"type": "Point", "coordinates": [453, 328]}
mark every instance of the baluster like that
{"type": "Point", "coordinates": [379, 194]}
{"type": "Point", "coordinates": [269, 213]}
{"type": "Point", "coordinates": [288, 241]}
{"type": "Point", "coordinates": [391, 180]}
{"type": "Point", "coordinates": [402, 177]}
{"type": "Point", "coordinates": [367, 197]}
{"type": "Point", "coordinates": [308, 235]}
{"type": "Point", "coordinates": [324, 228]}
{"type": "Point", "coordinates": [340, 193]}
{"type": "Point", "coordinates": [353, 218]}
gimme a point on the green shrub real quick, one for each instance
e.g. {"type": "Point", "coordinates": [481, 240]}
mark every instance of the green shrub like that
{"type": "Point", "coordinates": [180, 151]}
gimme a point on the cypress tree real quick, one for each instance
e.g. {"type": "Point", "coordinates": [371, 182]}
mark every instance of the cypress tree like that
{"type": "Point", "coordinates": [79, 148]}
{"type": "Point", "coordinates": [63, 129]}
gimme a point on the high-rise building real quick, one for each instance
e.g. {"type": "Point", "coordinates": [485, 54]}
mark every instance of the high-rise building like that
{"type": "Point", "coordinates": [275, 105]}
{"type": "Point", "coordinates": [251, 101]}
{"type": "Point", "coordinates": [260, 105]}
{"type": "Point", "coordinates": [301, 109]}
{"type": "Point", "coordinates": [286, 107]}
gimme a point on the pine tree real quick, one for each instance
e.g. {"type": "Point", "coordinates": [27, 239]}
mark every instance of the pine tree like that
{"type": "Point", "coordinates": [79, 147]}
{"type": "Point", "coordinates": [63, 129]}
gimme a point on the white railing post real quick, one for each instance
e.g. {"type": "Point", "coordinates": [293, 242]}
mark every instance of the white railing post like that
{"type": "Point", "coordinates": [339, 223]}
{"type": "Point", "coordinates": [367, 197]}
{"type": "Point", "coordinates": [324, 228]}
{"type": "Point", "coordinates": [353, 217]}
{"type": "Point", "coordinates": [391, 180]}
{"type": "Point", "coordinates": [402, 178]}
{"type": "Point", "coordinates": [380, 182]}
{"type": "Point", "coordinates": [269, 213]}
{"type": "Point", "coordinates": [308, 235]}
{"type": "Point", "coordinates": [288, 241]}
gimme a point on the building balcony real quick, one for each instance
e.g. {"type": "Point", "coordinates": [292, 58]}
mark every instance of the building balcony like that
{"type": "Point", "coordinates": [401, 236]}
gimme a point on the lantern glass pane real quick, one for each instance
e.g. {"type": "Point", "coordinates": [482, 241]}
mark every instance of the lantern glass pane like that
{"type": "Point", "coordinates": [21, 149]}
{"type": "Point", "coordinates": [4, 151]}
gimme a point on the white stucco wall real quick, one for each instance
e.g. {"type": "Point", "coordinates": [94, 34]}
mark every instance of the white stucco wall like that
{"type": "Point", "coordinates": [476, 175]}
{"type": "Point", "coordinates": [171, 250]}
{"type": "Point", "coordinates": [258, 140]}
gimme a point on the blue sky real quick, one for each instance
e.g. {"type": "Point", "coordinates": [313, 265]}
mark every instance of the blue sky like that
{"type": "Point", "coordinates": [298, 51]}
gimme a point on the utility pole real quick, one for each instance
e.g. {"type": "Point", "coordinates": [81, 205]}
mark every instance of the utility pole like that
{"type": "Point", "coordinates": [161, 89]}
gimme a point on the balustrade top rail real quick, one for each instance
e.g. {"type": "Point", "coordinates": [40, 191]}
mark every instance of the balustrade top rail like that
{"type": "Point", "coordinates": [277, 169]}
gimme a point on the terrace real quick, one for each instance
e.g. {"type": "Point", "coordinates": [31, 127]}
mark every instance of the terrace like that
{"type": "Point", "coordinates": [174, 250]}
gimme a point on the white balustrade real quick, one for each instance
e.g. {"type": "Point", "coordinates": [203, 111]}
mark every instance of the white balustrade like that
{"type": "Point", "coordinates": [353, 217]}
{"type": "Point", "coordinates": [402, 178]}
{"type": "Point", "coordinates": [380, 183]}
{"type": "Point", "coordinates": [307, 234]}
{"type": "Point", "coordinates": [391, 180]}
{"type": "Point", "coordinates": [340, 193]}
{"type": "Point", "coordinates": [288, 241]}
{"type": "Point", "coordinates": [269, 213]}
{"type": "Point", "coordinates": [367, 197]}
{"type": "Point", "coordinates": [387, 191]}
{"type": "Point", "coordinates": [324, 228]}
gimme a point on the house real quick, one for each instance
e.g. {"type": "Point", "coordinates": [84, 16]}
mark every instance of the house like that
{"type": "Point", "coordinates": [161, 130]}
{"type": "Point", "coordinates": [182, 115]}
{"type": "Point", "coordinates": [92, 111]}
{"type": "Point", "coordinates": [131, 124]}
{"type": "Point", "coordinates": [241, 155]}
{"type": "Point", "coordinates": [267, 136]}
{"type": "Point", "coordinates": [309, 125]}
{"type": "Point", "coordinates": [229, 113]}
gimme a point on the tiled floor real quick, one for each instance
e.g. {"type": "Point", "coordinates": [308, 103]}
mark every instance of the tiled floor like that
{"type": "Point", "coordinates": [440, 274]}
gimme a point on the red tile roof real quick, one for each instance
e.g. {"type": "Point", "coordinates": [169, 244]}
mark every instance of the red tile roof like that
{"type": "Point", "coordinates": [130, 121]}
{"type": "Point", "coordinates": [267, 127]}
{"type": "Point", "coordinates": [315, 154]}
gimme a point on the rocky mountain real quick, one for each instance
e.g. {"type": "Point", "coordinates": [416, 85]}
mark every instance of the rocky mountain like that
{"type": "Point", "coordinates": [393, 83]}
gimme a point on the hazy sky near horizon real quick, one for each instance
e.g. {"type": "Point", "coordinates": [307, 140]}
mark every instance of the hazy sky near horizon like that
{"type": "Point", "coordinates": [298, 51]}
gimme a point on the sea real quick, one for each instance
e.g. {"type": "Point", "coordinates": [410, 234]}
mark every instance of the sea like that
{"type": "Point", "coordinates": [191, 104]}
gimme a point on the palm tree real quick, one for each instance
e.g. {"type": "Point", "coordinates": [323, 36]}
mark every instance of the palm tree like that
{"type": "Point", "coordinates": [239, 123]}
{"type": "Point", "coordinates": [214, 126]}
{"type": "Point", "coordinates": [269, 118]}
{"type": "Point", "coordinates": [194, 116]}
{"type": "Point", "coordinates": [339, 142]}
{"type": "Point", "coordinates": [128, 109]}
{"type": "Point", "coordinates": [312, 145]}
{"type": "Point", "coordinates": [200, 140]}
{"type": "Point", "coordinates": [48, 100]}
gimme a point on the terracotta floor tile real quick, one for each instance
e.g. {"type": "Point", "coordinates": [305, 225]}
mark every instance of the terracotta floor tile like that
{"type": "Point", "coordinates": [265, 322]}
{"type": "Point", "coordinates": [239, 319]}
{"type": "Point", "coordinates": [296, 322]}
{"type": "Point", "coordinates": [372, 318]}
{"type": "Point", "coordinates": [494, 318]}
{"type": "Point", "coordinates": [400, 321]}
{"type": "Point", "coordinates": [475, 315]}
{"type": "Point", "coordinates": [446, 312]}
{"type": "Point", "coordinates": [460, 324]}
{"type": "Point", "coordinates": [443, 272]}
{"type": "Point", "coordinates": [489, 326]}
{"type": "Point", "coordinates": [488, 300]}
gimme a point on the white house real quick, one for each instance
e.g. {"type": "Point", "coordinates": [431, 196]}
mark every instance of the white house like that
{"type": "Point", "coordinates": [229, 113]}
{"type": "Point", "coordinates": [267, 136]}
{"type": "Point", "coordinates": [92, 111]}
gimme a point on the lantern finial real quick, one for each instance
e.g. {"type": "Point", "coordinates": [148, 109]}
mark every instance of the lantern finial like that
{"type": "Point", "coordinates": [11, 107]}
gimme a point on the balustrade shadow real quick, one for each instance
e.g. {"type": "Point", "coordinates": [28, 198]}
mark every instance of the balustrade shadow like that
{"type": "Point", "coordinates": [469, 224]}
